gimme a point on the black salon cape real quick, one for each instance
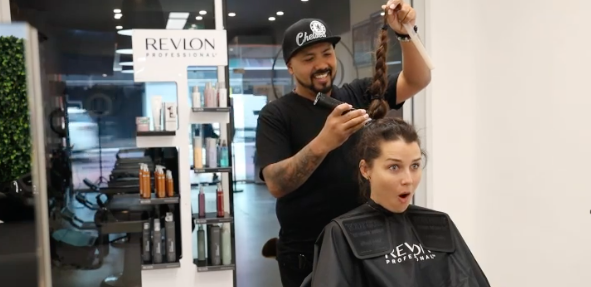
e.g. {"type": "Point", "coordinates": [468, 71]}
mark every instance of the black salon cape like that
{"type": "Point", "coordinates": [372, 247]}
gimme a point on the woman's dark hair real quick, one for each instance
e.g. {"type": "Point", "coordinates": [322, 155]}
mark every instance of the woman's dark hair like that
{"type": "Point", "coordinates": [381, 129]}
{"type": "Point", "coordinates": [378, 107]}
{"type": "Point", "coordinates": [377, 132]}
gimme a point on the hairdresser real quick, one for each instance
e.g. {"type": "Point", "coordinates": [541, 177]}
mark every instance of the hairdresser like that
{"type": "Point", "coordinates": [305, 151]}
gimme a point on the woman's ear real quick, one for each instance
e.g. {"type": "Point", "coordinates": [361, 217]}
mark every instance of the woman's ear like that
{"type": "Point", "coordinates": [364, 169]}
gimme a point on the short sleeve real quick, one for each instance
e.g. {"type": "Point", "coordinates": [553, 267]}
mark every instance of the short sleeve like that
{"type": "Point", "coordinates": [358, 89]}
{"type": "Point", "coordinates": [272, 138]}
{"type": "Point", "coordinates": [334, 263]}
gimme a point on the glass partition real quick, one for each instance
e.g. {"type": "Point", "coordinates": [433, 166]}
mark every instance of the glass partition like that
{"type": "Point", "coordinates": [90, 107]}
{"type": "Point", "coordinates": [23, 177]}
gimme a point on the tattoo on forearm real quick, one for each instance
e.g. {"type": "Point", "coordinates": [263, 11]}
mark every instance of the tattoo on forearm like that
{"type": "Point", "coordinates": [290, 174]}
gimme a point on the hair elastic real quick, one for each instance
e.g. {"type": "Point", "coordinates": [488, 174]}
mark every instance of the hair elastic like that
{"type": "Point", "coordinates": [377, 97]}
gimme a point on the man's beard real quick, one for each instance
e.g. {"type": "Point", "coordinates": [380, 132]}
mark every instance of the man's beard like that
{"type": "Point", "coordinates": [311, 86]}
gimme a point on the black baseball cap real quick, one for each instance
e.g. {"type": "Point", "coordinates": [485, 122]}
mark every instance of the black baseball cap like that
{"type": "Point", "coordinates": [304, 33]}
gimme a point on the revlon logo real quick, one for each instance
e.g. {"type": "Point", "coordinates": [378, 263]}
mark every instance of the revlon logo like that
{"type": "Point", "coordinates": [171, 44]}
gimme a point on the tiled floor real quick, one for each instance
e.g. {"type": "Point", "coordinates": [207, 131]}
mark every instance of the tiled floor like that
{"type": "Point", "coordinates": [255, 223]}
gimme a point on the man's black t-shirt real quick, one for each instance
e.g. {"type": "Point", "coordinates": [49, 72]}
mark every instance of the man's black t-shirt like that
{"type": "Point", "coordinates": [288, 124]}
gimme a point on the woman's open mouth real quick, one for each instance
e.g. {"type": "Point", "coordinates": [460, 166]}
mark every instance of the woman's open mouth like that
{"type": "Point", "coordinates": [404, 197]}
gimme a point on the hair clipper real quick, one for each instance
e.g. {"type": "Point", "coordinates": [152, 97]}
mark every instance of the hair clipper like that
{"type": "Point", "coordinates": [327, 102]}
{"type": "Point", "coordinates": [330, 103]}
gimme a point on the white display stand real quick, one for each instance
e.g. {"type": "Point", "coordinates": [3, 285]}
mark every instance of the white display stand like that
{"type": "Point", "coordinates": [164, 56]}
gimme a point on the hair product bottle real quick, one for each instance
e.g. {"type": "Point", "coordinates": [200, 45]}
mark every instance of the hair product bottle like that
{"type": "Point", "coordinates": [147, 181]}
{"type": "Point", "coordinates": [212, 152]}
{"type": "Point", "coordinates": [224, 160]}
{"type": "Point", "coordinates": [157, 242]}
{"type": "Point", "coordinates": [226, 244]}
{"type": "Point", "coordinates": [220, 201]}
{"type": "Point", "coordinates": [201, 202]}
{"type": "Point", "coordinates": [141, 180]}
{"type": "Point", "coordinates": [169, 184]}
{"type": "Point", "coordinates": [170, 237]}
{"type": "Point", "coordinates": [146, 248]}
{"type": "Point", "coordinates": [196, 97]}
{"type": "Point", "coordinates": [210, 101]}
{"type": "Point", "coordinates": [160, 182]}
{"type": "Point", "coordinates": [222, 95]}
{"type": "Point", "coordinates": [197, 152]}
{"type": "Point", "coordinates": [200, 244]}
{"type": "Point", "coordinates": [214, 245]}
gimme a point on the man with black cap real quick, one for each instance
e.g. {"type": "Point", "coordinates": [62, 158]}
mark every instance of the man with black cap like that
{"type": "Point", "coordinates": [306, 152]}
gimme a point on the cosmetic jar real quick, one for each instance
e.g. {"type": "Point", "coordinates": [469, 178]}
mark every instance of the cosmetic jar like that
{"type": "Point", "coordinates": [143, 124]}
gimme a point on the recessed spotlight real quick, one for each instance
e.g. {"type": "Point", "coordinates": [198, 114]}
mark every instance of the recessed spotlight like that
{"type": "Point", "coordinates": [271, 18]}
{"type": "Point", "coordinates": [231, 14]}
{"type": "Point", "coordinates": [126, 32]}
{"type": "Point", "coordinates": [202, 12]}
{"type": "Point", "coordinates": [118, 16]}
{"type": "Point", "coordinates": [304, 0]}
{"type": "Point", "coordinates": [119, 27]}
{"type": "Point", "coordinates": [117, 11]}
{"type": "Point", "coordinates": [279, 13]}
{"type": "Point", "coordinates": [198, 18]}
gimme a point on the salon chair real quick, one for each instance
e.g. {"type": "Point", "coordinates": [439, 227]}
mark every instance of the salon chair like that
{"type": "Point", "coordinates": [16, 200]}
{"type": "Point", "coordinates": [18, 247]}
{"type": "Point", "coordinates": [124, 214]}
{"type": "Point", "coordinates": [116, 214]}
{"type": "Point", "coordinates": [18, 254]}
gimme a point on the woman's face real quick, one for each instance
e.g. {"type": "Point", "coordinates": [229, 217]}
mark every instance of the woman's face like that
{"type": "Point", "coordinates": [394, 175]}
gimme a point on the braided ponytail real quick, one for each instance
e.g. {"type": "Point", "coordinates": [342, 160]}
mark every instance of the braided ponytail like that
{"type": "Point", "coordinates": [378, 108]}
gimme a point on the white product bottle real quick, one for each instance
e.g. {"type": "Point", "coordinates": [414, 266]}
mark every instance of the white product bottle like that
{"type": "Point", "coordinates": [209, 95]}
{"type": "Point", "coordinates": [226, 244]}
{"type": "Point", "coordinates": [196, 97]}
{"type": "Point", "coordinates": [222, 95]}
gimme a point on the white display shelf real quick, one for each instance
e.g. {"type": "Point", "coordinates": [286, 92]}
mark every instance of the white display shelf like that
{"type": "Point", "coordinates": [212, 218]}
{"type": "Point", "coordinates": [161, 266]}
{"type": "Point", "coordinates": [212, 169]}
{"type": "Point", "coordinates": [209, 115]}
{"type": "Point", "coordinates": [155, 139]}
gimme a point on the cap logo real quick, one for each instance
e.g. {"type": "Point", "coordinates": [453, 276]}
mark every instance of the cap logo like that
{"type": "Point", "coordinates": [318, 31]}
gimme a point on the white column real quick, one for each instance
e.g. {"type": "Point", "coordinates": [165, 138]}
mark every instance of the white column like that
{"type": "Point", "coordinates": [508, 135]}
{"type": "Point", "coordinates": [5, 11]}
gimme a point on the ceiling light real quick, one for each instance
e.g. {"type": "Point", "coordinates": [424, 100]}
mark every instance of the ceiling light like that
{"type": "Point", "coordinates": [271, 18]}
{"type": "Point", "coordinates": [202, 12]}
{"type": "Point", "coordinates": [178, 15]}
{"type": "Point", "coordinates": [118, 16]}
{"type": "Point", "coordinates": [279, 13]}
{"type": "Point", "coordinates": [382, 14]}
{"type": "Point", "coordinates": [124, 51]}
{"type": "Point", "coordinates": [231, 14]}
{"type": "Point", "coordinates": [117, 11]}
{"type": "Point", "coordinates": [126, 32]}
{"type": "Point", "coordinates": [177, 20]}
{"type": "Point", "coordinates": [198, 18]}
{"type": "Point", "coordinates": [119, 27]}
{"type": "Point", "coordinates": [304, 0]}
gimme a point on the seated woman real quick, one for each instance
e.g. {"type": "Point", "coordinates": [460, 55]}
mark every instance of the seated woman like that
{"type": "Point", "coordinates": [388, 241]}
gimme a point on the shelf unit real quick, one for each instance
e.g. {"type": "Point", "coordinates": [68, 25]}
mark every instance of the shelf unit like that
{"type": "Point", "coordinates": [179, 139]}
{"type": "Point", "coordinates": [189, 272]}
{"type": "Point", "coordinates": [221, 116]}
